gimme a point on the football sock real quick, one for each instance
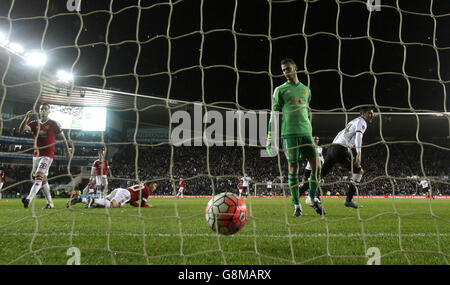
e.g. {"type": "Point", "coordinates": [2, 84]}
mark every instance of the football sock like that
{"type": "Point", "coordinates": [351, 192]}
{"type": "Point", "coordinates": [352, 188]}
{"type": "Point", "coordinates": [293, 187]}
{"type": "Point", "coordinates": [47, 194]}
{"type": "Point", "coordinates": [35, 189]}
{"type": "Point", "coordinates": [313, 185]}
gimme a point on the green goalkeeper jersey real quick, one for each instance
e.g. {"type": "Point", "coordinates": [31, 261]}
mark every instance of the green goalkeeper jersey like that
{"type": "Point", "coordinates": [293, 101]}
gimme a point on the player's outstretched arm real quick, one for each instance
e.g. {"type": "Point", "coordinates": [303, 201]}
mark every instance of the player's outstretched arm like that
{"type": "Point", "coordinates": [25, 121]}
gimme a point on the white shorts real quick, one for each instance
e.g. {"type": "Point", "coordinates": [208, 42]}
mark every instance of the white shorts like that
{"type": "Point", "coordinates": [180, 189]}
{"type": "Point", "coordinates": [1, 185]}
{"type": "Point", "coordinates": [101, 180]}
{"type": "Point", "coordinates": [41, 164]}
{"type": "Point", "coordinates": [120, 195]}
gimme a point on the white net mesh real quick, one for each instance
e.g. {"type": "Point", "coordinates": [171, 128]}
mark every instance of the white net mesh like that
{"type": "Point", "coordinates": [148, 61]}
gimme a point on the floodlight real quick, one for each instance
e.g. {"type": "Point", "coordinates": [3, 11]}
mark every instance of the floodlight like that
{"type": "Point", "coordinates": [35, 59]}
{"type": "Point", "coordinates": [64, 76]}
{"type": "Point", "coordinates": [3, 39]}
{"type": "Point", "coordinates": [15, 47]}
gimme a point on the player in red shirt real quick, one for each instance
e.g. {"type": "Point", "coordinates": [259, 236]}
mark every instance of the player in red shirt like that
{"type": "Point", "coordinates": [100, 170]}
{"type": "Point", "coordinates": [240, 189]}
{"type": "Point", "coordinates": [44, 131]}
{"type": "Point", "coordinates": [180, 187]}
{"type": "Point", "coordinates": [119, 196]}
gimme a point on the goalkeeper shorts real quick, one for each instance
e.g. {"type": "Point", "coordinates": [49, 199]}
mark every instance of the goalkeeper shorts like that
{"type": "Point", "coordinates": [298, 148]}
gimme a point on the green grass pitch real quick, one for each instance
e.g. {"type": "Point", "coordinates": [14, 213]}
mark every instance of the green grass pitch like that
{"type": "Point", "coordinates": [174, 231]}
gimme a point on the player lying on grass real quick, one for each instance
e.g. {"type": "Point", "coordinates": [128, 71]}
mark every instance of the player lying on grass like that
{"type": "Point", "coordinates": [120, 196]}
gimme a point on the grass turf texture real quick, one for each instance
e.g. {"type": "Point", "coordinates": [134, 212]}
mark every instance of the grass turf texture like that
{"type": "Point", "coordinates": [174, 231]}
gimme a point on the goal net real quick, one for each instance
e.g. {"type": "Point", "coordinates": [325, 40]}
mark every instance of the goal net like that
{"type": "Point", "coordinates": [172, 89]}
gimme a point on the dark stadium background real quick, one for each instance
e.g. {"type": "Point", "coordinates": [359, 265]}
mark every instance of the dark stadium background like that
{"type": "Point", "coordinates": [253, 54]}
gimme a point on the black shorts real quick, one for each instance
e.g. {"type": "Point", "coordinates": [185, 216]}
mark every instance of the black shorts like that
{"type": "Point", "coordinates": [307, 174]}
{"type": "Point", "coordinates": [338, 154]}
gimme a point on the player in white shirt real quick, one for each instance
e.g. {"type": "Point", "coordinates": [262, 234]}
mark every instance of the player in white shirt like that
{"type": "Point", "coordinates": [245, 182]}
{"type": "Point", "coordinates": [305, 183]}
{"type": "Point", "coordinates": [425, 187]}
{"type": "Point", "coordinates": [340, 151]}
{"type": "Point", "coordinates": [269, 188]}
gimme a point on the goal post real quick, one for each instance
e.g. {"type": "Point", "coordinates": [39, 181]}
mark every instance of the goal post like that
{"type": "Point", "coordinates": [277, 189]}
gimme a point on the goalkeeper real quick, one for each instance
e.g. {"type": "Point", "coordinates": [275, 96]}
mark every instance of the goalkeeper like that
{"type": "Point", "coordinates": [292, 99]}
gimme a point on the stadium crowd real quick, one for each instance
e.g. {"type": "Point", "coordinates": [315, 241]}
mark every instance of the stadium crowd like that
{"type": "Point", "coordinates": [81, 141]}
{"type": "Point", "coordinates": [388, 169]}
{"type": "Point", "coordinates": [222, 167]}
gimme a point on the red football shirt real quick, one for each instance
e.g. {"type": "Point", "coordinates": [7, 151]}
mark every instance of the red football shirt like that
{"type": "Point", "coordinates": [100, 167]}
{"type": "Point", "coordinates": [46, 136]}
{"type": "Point", "coordinates": [181, 184]}
{"type": "Point", "coordinates": [2, 176]}
{"type": "Point", "coordinates": [135, 192]}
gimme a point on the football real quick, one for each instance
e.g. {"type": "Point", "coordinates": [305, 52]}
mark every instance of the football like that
{"type": "Point", "coordinates": [226, 213]}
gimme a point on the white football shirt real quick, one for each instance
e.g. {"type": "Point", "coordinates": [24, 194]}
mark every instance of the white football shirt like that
{"type": "Point", "coordinates": [347, 136]}
{"type": "Point", "coordinates": [424, 183]}
{"type": "Point", "coordinates": [245, 181]}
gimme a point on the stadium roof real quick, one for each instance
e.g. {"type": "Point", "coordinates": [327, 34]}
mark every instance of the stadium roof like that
{"type": "Point", "coordinates": [23, 84]}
